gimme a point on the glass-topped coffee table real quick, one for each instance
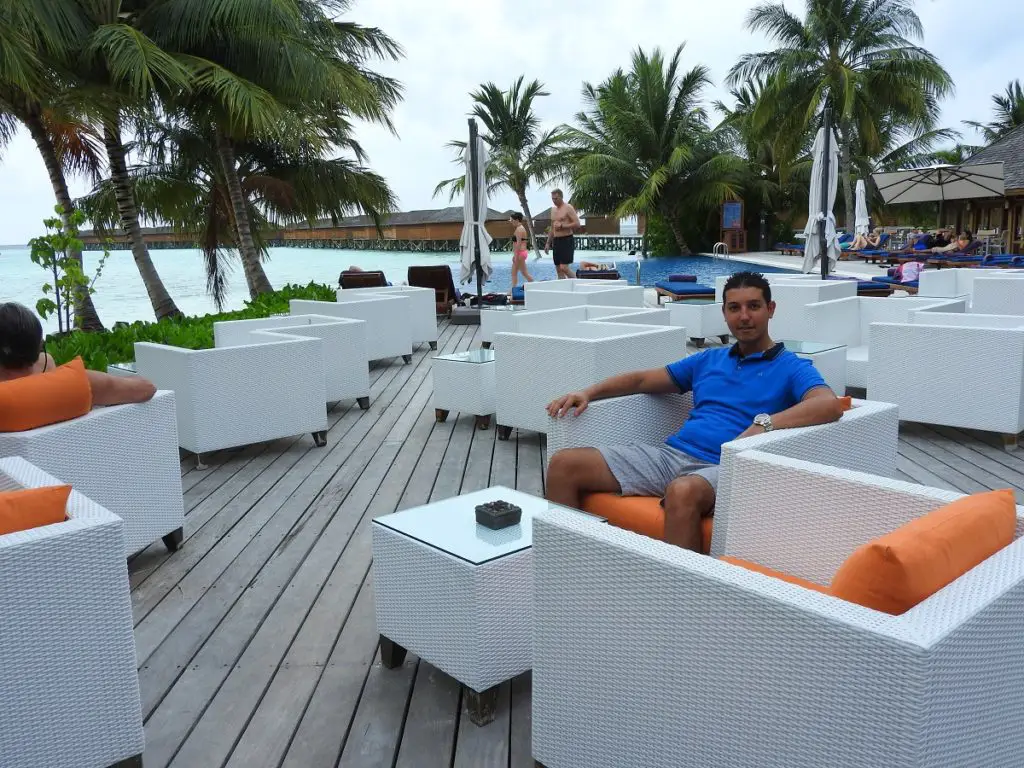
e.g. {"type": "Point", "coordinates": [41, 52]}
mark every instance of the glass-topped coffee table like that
{"type": "Point", "coordinates": [464, 381]}
{"type": "Point", "coordinates": [702, 319]}
{"type": "Point", "coordinates": [122, 369]}
{"type": "Point", "coordinates": [828, 358]}
{"type": "Point", "coordinates": [499, 319]}
{"type": "Point", "coordinates": [458, 594]}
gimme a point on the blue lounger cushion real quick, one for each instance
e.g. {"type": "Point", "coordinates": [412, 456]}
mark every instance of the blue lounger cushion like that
{"type": "Point", "coordinates": [682, 279]}
{"type": "Point", "coordinates": [685, 289]}
{"type": "Point", "coordinates": [518, 293]}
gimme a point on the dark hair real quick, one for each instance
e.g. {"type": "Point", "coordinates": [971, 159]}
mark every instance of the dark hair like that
{"type": "Point", "coordinates": [517, 216]}
{"type": "Point", "coordinates": [748, 280]}
{"type": "Point", "coordinates": [21, 336]}
{"type": "Point", "coordinates": [967, 234]}
{"type": "Point", "coordinates": [557, 192]}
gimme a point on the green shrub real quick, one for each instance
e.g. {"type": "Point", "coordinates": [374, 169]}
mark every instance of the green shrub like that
{"type": "Point", "coordinates": [99, 350]}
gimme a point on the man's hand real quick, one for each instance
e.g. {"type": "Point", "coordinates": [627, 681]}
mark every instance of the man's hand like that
{"type": "Point", "coordinates": [574, 400]}
{"type": "Point", "coordinates": [753, 429]}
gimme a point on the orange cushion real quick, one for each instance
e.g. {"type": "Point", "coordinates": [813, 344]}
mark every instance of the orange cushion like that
{"type": "Point", "coordinates": [47, 398]}
{"type": "Point", "coordinates": [640, 514]}
{"type": "Point", "coordinates": [33, 507]}
{"type": "Point", "coordinates": [897, 571]}
{"type": "Point", "coordinates": [775, 574]}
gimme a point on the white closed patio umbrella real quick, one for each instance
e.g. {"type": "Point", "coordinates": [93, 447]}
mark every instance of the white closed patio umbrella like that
{"type": "Point", "coordinates": [817, 213]}
{"type": "Point", "coordinates": [862, 221]}
{"type": "Point", "coordinates": [475, 241]}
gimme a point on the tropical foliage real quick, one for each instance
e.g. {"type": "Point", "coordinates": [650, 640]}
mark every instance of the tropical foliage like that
{"type": "Point", "coordinates": [1008, 109]}
{"type": "Point", "coordinates": [520, 154]}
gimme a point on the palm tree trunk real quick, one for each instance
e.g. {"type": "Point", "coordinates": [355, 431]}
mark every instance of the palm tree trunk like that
{"type": "Point", "coordinates": [677, 232]}
{"type": "Point", "coordinates": [844, 169]}
{"type": "Point", "coordinates": [163, 304]}
{"type": "Point", "coordinates": [521, 194]}
{"type": "Point", "coordinates": [86, 317]}
{"type": "Point", "coordinates": [251, 264]}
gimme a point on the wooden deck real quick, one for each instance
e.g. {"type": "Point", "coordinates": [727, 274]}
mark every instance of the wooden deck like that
{"type": "Point", "coordinates": [256, 641]}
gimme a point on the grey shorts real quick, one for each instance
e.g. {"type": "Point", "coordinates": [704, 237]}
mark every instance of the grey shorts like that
{"type": "Point", "coordinates": [646, 470]}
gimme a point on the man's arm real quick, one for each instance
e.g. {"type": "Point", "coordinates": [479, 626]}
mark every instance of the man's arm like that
{"type": "Point", "coordinates": [819, 406]}
{"type": "Point", "coordinates": [653, 381]}
{"type": "Point", "coordinates": [116, 390]}
{"type": "Point", "coordinates": [574, 219]}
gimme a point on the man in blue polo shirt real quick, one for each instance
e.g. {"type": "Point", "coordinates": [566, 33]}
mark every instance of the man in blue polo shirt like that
{"type": "Point", "coordinates": [754, 386]}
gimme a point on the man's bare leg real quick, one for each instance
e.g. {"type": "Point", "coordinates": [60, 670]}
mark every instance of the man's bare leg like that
{"type": "Point", "coordinates": [687, 501]}
{"type": "Point", "coordinates": [575, 472]}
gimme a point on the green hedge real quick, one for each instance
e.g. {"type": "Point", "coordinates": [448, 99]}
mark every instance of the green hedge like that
{"type": "Point", "coordinates": [99, 350]}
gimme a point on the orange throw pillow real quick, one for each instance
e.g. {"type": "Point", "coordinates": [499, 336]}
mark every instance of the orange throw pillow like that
{"type": "Point", "coordinates": [847, 402]}
{"type": "Point", "coordinates": [33, 507]}
{"type": "Point", "coordinates": [897, 571]}
{"type": "Point", "coordinates": [46, 398]}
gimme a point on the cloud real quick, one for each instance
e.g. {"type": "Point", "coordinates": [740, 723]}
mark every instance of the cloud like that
{"type": "Point", "coordinates": [454, 45]}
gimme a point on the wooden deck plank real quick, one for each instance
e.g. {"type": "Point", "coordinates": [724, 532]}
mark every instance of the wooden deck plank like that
{"type": "Point", "coordinates": [428, 739]}
{"type": "Point", "coordinates": [360, 473]}
{"type": "Point", "coordinates": [520, 744]}
{"type": "Point", "coordinates": [970, 461]}
{"type": "Point", "coordinates": [910, 447]}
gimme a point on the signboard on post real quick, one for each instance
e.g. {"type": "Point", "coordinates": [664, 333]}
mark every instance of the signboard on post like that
{"type": "Point", "coordinates": [734, 235]}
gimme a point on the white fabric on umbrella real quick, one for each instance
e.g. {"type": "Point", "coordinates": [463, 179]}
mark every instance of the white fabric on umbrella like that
{"type": "Point", "coordinates": [474, 222]}
{"type": "Point", "coordinates": [941, 182]}
{"type": "Point", "coordinates": [862, 222]}
{"type": "Point", "coordinates": [812, 249]}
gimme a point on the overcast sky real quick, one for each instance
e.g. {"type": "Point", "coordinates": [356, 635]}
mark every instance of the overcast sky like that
{"type": "Point", "coordinates": [453, 45]}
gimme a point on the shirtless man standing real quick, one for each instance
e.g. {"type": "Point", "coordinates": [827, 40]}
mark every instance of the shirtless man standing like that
{"type": "Point", "coordinates": [560, 239]}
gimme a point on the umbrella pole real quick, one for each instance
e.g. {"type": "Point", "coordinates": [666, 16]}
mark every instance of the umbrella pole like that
{"type": "Point", "coordinates": [474, 162]}
{"type": "Point", "coordinates": [827, 121]}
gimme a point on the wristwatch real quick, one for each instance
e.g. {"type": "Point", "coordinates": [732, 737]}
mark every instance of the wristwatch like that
{"type": "Point", "coordinates": [764, 421]}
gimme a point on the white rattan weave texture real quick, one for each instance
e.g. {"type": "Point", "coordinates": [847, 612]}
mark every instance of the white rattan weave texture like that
{"type": "Point", "coordinates": [123, 457]}
{"type": "Point", "coordinates": [69, 691]}
{"type": "Point", "coordinates": [422, 307]}
{"type": "Point", "coordinates": [388, 320]}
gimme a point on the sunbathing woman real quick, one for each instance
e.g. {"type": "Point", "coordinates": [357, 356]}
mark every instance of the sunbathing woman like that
{"type": "Point", "coordinates": [519, 250]}
{"type": "Point", "coordinates": [22, 354]}
{"type": "Point", "coordinates": [864, 243]}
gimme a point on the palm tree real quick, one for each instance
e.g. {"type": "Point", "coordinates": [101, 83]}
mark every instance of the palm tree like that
{"type": "Point", "coordinates": [857, 57]}
{"type": "Point", "coordinates": [645, 148]}
{"type": "Point", "coordinates": [519, 154]}
{"type": "Point", "coordinates": [1009, 113]}
{"type": "Point", "coordinates": [181, 181]}
{"type": "Point", "coordinates": [282, 71]}
{"type": "Point", "coordinates": [33, 35]}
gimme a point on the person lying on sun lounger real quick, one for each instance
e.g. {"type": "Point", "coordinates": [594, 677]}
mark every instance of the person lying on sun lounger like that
{"type": "Point", "coordinates": [22, 354]}
{"type": "Point", "coordinates": [865, 242]}
{"type": "Point", "coordinates": [959, 244]}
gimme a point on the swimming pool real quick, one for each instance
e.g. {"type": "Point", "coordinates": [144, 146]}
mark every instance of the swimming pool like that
{"type": "Point", "coordinates": [705, 268]}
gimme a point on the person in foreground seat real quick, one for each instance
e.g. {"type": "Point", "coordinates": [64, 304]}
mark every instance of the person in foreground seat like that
{"type": "Point", "coordinates": [754, 386]}
{"type": "Point", "coordinates": [22, 354]}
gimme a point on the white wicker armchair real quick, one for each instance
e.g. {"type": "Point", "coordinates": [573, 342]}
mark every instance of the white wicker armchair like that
{"type": "Point", "coordinates": [346, 373]}
{"type": "Point", "coordinates": [422, 308]}
{"type": "Point", "coordinates": [650, 655]}
{"type": "Point", "coordinates": [235, 396]}
{"type": "Point", "coordinates": [571, 293]}
{"type": "Point", "coordinates": [967, 373]}
{"type": "Point", "coordinates": [864, 439]}
{"type": "Point", "coordinates": [388, 320]}
{"type": "Point", "coordinates": [533, 369]}
{"type": "Point", "coordinates": [70, 690]}
{"type": "Point", "coordinates": [124, 458]}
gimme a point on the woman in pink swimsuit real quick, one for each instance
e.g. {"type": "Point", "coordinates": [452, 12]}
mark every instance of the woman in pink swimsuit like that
{"type": "Point", "coordinates": [519, 250]}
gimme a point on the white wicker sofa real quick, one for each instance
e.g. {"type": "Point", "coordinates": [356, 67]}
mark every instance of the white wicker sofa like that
{"type": "Point", "coordinates": [346, 373]}
{"type": "Point", "coordinates": [650, 655]}
{"type": "Point", "coordinates": [531, 369]}
{"type": "Point", "coordinates": [70, 690]}
{"type": "Point", "coordinates": [555, 320]}
{"type": "Point", "coordinates": [124, 458]}
{"type": "Point", "coordinates": [847, 321]}
{"type": "Point", "coordinates": [422, 309]}
{"type": "Point", "coordinates": [232, 396]}
{"type": "Point", "coordinates": [388, 320]}
{"type": "Point", "coordinates": [864, 439]}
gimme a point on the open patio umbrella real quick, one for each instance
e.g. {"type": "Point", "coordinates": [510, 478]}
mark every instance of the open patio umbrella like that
{"type": "Point", "coordinates": [939, 183]}
{"type": "Point", "coordinates": [824, 182]}
{"type": "Point", "coordinates": [475, 241]}
{"type": "Point", "coordinates": [862, 221]}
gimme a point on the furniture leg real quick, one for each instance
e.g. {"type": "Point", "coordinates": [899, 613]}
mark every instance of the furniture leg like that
{"type": "Point", "coordinates": [129, 762]}
{"type": "Point", "coordinates": [485, 345]}
{"type": "Point", "coordinates": [1010, 442]}
{"type": "Point", "coordinates": [482, 705]}
{"type": "Point", "coordinates": [174, 539]}
{"type": "Point", "coordinates": [433, 345]}
{"type": "Point", "coordinates": [504, 432]}
{"type": "Point", "coordinates": [483, 422]}
{"type": "Point", "coordinates": [199, 462]}
{"type": "Point", "coordinates": [697, 342]}
{"type": "Point", "coordinates": [320, 438]}
{"type": "Point", "coordinates": [364, 402]}
{"type": "Point", "coordinates": [391, 654]}
{"type": "Point", "coordinates": [406, 359]}
{"type": "Point", "coordinates": [441, 415]}
{"type": "Point", "coordinates": [724, 338]}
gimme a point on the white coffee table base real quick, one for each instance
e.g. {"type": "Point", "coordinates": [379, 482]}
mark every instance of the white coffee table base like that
{"type": "Point", "coordinates": [464, 387]}
{"type": "Point", "coordinates": [701, 319]}
{"type": "Point", "coordinates": [831, 364]}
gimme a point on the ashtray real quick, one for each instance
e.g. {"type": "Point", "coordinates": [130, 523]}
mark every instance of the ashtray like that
{"type": "Point", "coordinates": [498, 514]}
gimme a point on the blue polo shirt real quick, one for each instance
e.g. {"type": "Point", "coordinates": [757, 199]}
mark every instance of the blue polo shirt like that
{"type": "Point", "coordinates": [730, 390]}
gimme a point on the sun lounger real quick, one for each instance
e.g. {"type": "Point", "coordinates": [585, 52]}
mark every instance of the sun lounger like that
{"type": "Point", "coordinates": [598, 274]}
{"type": "Point", "coordinates": [375, 279]}
{"type": "Point", "coordinates": [910, 286]}
{"type": "Point", "coordinates": [439, 277]}
{"type": "Point", "coordinates": [678, 291]}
